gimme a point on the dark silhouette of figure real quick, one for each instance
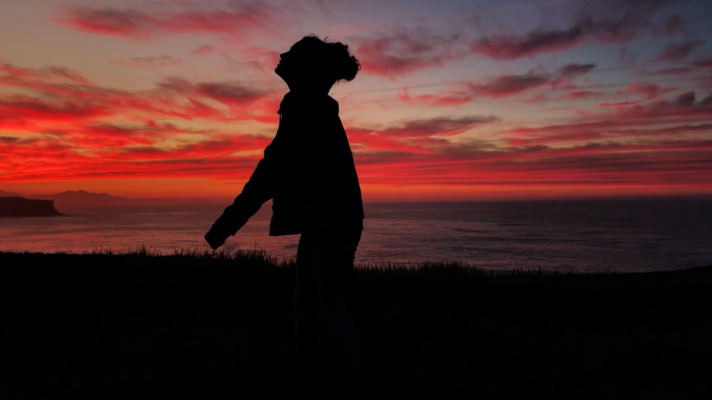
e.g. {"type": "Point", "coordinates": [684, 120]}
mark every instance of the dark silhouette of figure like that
{"type": "Point", "coordinates": [308, 170]}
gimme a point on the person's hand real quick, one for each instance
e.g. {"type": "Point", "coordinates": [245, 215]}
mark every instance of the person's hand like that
{"type": "Point", "coordinates": [216, 237]}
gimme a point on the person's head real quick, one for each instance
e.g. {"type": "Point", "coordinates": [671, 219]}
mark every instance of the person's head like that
{"type": "Point", "coordinates": [314, 65]}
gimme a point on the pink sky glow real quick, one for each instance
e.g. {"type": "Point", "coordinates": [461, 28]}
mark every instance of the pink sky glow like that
{"type": "Point", "coordinates": [455, 101]}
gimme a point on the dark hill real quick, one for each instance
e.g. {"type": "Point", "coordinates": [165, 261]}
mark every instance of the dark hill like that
{"type": "Point", "coordinates": [214, 326]}
{"type": "Point", "coordinates": [82, 198]}
{"type": "Point", "coordinates": [21, 207]}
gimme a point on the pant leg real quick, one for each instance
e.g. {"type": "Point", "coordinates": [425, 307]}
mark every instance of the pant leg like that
{"type": "Point", "coordinates": [334, 265]}
{"type": "Point", "coordinates": [306, 310]}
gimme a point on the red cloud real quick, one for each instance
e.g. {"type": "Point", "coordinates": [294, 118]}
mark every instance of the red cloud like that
{"type": "Point", "coordinates": [607, 21]}
{"type": "Point", "coordinates": [703, 63]}
{"type": "Point", "coordinates": [373, 141]}
{"type": "Point", "coordinates": [414, 136]}
{"type": "Point", "coordinates": [141, 62]}
{"type": "Point", "coordinates": [619, 104]}
{"type": "Point", "coordinates": [173, 98]}
{"type": "Point", "coordinates": [674, 130]}
{"type": "Point", "coordinates": [11, 75]}
{"type": "Point", "coordinates": [84, 131]}
{"type": "Point", "coordinates": [512, 47]}
{"type": "Point", "coordinates": [582, 95]}
{"type": "Point", "coordinates": [229, 93]}
{"type": "Point", "coordinates": [112, 22]}
{"type": "Point", "coordinates": [683, 105]}
{"type": "Point", "coordinates": [203, 50]}
{"type": "Point", "coordinates": [437, 126]}
{"type": "Point", "coordinates": [659, 119]}
{"type": "Point", "coordinates": [509, 85]}
{"type": "Point", "coordinates": [141, 24]}
{"type": "Point", "coordinates": [641, 162]}
{"type": "Point", "coordinates": [72, 134]}
{"type": "Point", "coordinates": [112, 100]}
{"type": "Point", "coordinates": [404, 51]}
{"type": "Point", "coordinates": [575, 70]}
{"type": "Point", "coordinates": [9, 139]}
{"type": "Point", "coordinates": [574, 132]}
{"type": "Point", "coordinates": [638, 163]}
{"type": "Point", "coordinates": [684, 100]}
{"type": "Point", "coordinates": [22, 109]}
{"type": "Point", "coordinates": [667, 71]}
{"type": "Point", "coordinates": [649, 90]}
{"type": "Point", "coordinates": [217, 146]}
{"type": "Point", "coordinates": [679, 51]}
{"type": "Point", "coordinates": [673, 25]}
{"type": "Point", "coordinates": [448, 100]}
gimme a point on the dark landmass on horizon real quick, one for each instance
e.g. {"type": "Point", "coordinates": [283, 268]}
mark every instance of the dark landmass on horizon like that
{"type": "Point", "coordinates": [216, 325]}
{"type": "Point", "coordinates": [20, 207]}
{"type": "Point", "coordinates": [83, 199]}
{"type": "Point", "coordinates": [9, 194]}
{"type": "Point", "coordinates": [80, 199]}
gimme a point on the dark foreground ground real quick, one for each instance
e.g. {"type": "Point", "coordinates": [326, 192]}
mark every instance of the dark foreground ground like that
{"type": "Point", "coordinates": [195, 327]}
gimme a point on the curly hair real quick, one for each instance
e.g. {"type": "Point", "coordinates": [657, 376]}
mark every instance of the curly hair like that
{"type": "Point", "coordinates": [333, 57]}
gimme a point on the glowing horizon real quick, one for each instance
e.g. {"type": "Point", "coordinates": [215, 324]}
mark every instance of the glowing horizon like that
{"type": "Point", "coordinates": [454, 102]}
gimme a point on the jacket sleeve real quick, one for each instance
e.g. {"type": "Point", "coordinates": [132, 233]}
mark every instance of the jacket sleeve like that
{"type": "Point", "coordinates": [282, 161]}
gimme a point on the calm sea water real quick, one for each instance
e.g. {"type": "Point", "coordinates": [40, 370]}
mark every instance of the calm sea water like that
{"type": "Point", "coordinates": [632, 235]}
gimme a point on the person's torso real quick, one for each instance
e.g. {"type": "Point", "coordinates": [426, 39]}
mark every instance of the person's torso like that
{"type": "Point", "coordinates": [326, 195]}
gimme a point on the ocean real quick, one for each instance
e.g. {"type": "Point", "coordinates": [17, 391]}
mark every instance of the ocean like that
{"type": "Point", "coordinates": [601, 235]}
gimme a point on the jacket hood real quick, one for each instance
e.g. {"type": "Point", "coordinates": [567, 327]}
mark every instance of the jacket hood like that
{"type": "Point", "coordinates": [293, 102]}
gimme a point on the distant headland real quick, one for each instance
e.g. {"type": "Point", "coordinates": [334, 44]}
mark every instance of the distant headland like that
{"type": "Point", "coordinates": [21, 207]}
{"type": "Point", "coordinates": [73, 200]}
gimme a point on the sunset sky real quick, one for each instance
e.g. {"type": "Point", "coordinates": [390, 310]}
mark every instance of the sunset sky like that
{"type": "Point", "coordinates": [456, 100]}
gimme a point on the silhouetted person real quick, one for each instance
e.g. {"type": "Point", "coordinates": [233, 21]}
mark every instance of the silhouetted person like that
{"type": "Point", "coordinates": [308, 170]}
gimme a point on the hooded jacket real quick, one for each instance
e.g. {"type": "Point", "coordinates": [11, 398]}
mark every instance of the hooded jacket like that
{"type": "Point", "coordinates": [308, 171]}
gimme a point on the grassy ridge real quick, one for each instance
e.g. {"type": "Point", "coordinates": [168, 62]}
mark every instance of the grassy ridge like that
{"type": "Point", "coordinates": [201, 325]}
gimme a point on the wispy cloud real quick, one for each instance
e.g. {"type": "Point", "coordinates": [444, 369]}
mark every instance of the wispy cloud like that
{"type": "Point", "coordinates": [404, 50]}
{"type": "Point", "coordinates": [143, 62]}
{"type": "Point", "coordinates": [203, 50]}
{"type": "Point", "coordinates": [575, 70]}
{"type": "Point", "coordinates": [647, 90]}
{"type": "Point", "coordinates": [449, 99]}
{"type": "Point", "coordinates": [233, 19]}
{"type": "Point", "coordinates": [679, 51]}
{"type": "Point", "coordinates": [604, 21]}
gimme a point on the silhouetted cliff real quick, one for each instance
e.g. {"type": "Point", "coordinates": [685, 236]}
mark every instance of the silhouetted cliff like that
{"type": "Point", "coordinates": [21, 207]}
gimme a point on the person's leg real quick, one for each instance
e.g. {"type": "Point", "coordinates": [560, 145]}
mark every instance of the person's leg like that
{"type": "Point", "coordinates": [334, 264]}
{"type": "Point", "coordinates": [306, 314]}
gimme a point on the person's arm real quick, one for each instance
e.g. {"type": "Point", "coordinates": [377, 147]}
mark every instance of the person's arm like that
{"type": "Point", "coordinates": [282, 161]}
